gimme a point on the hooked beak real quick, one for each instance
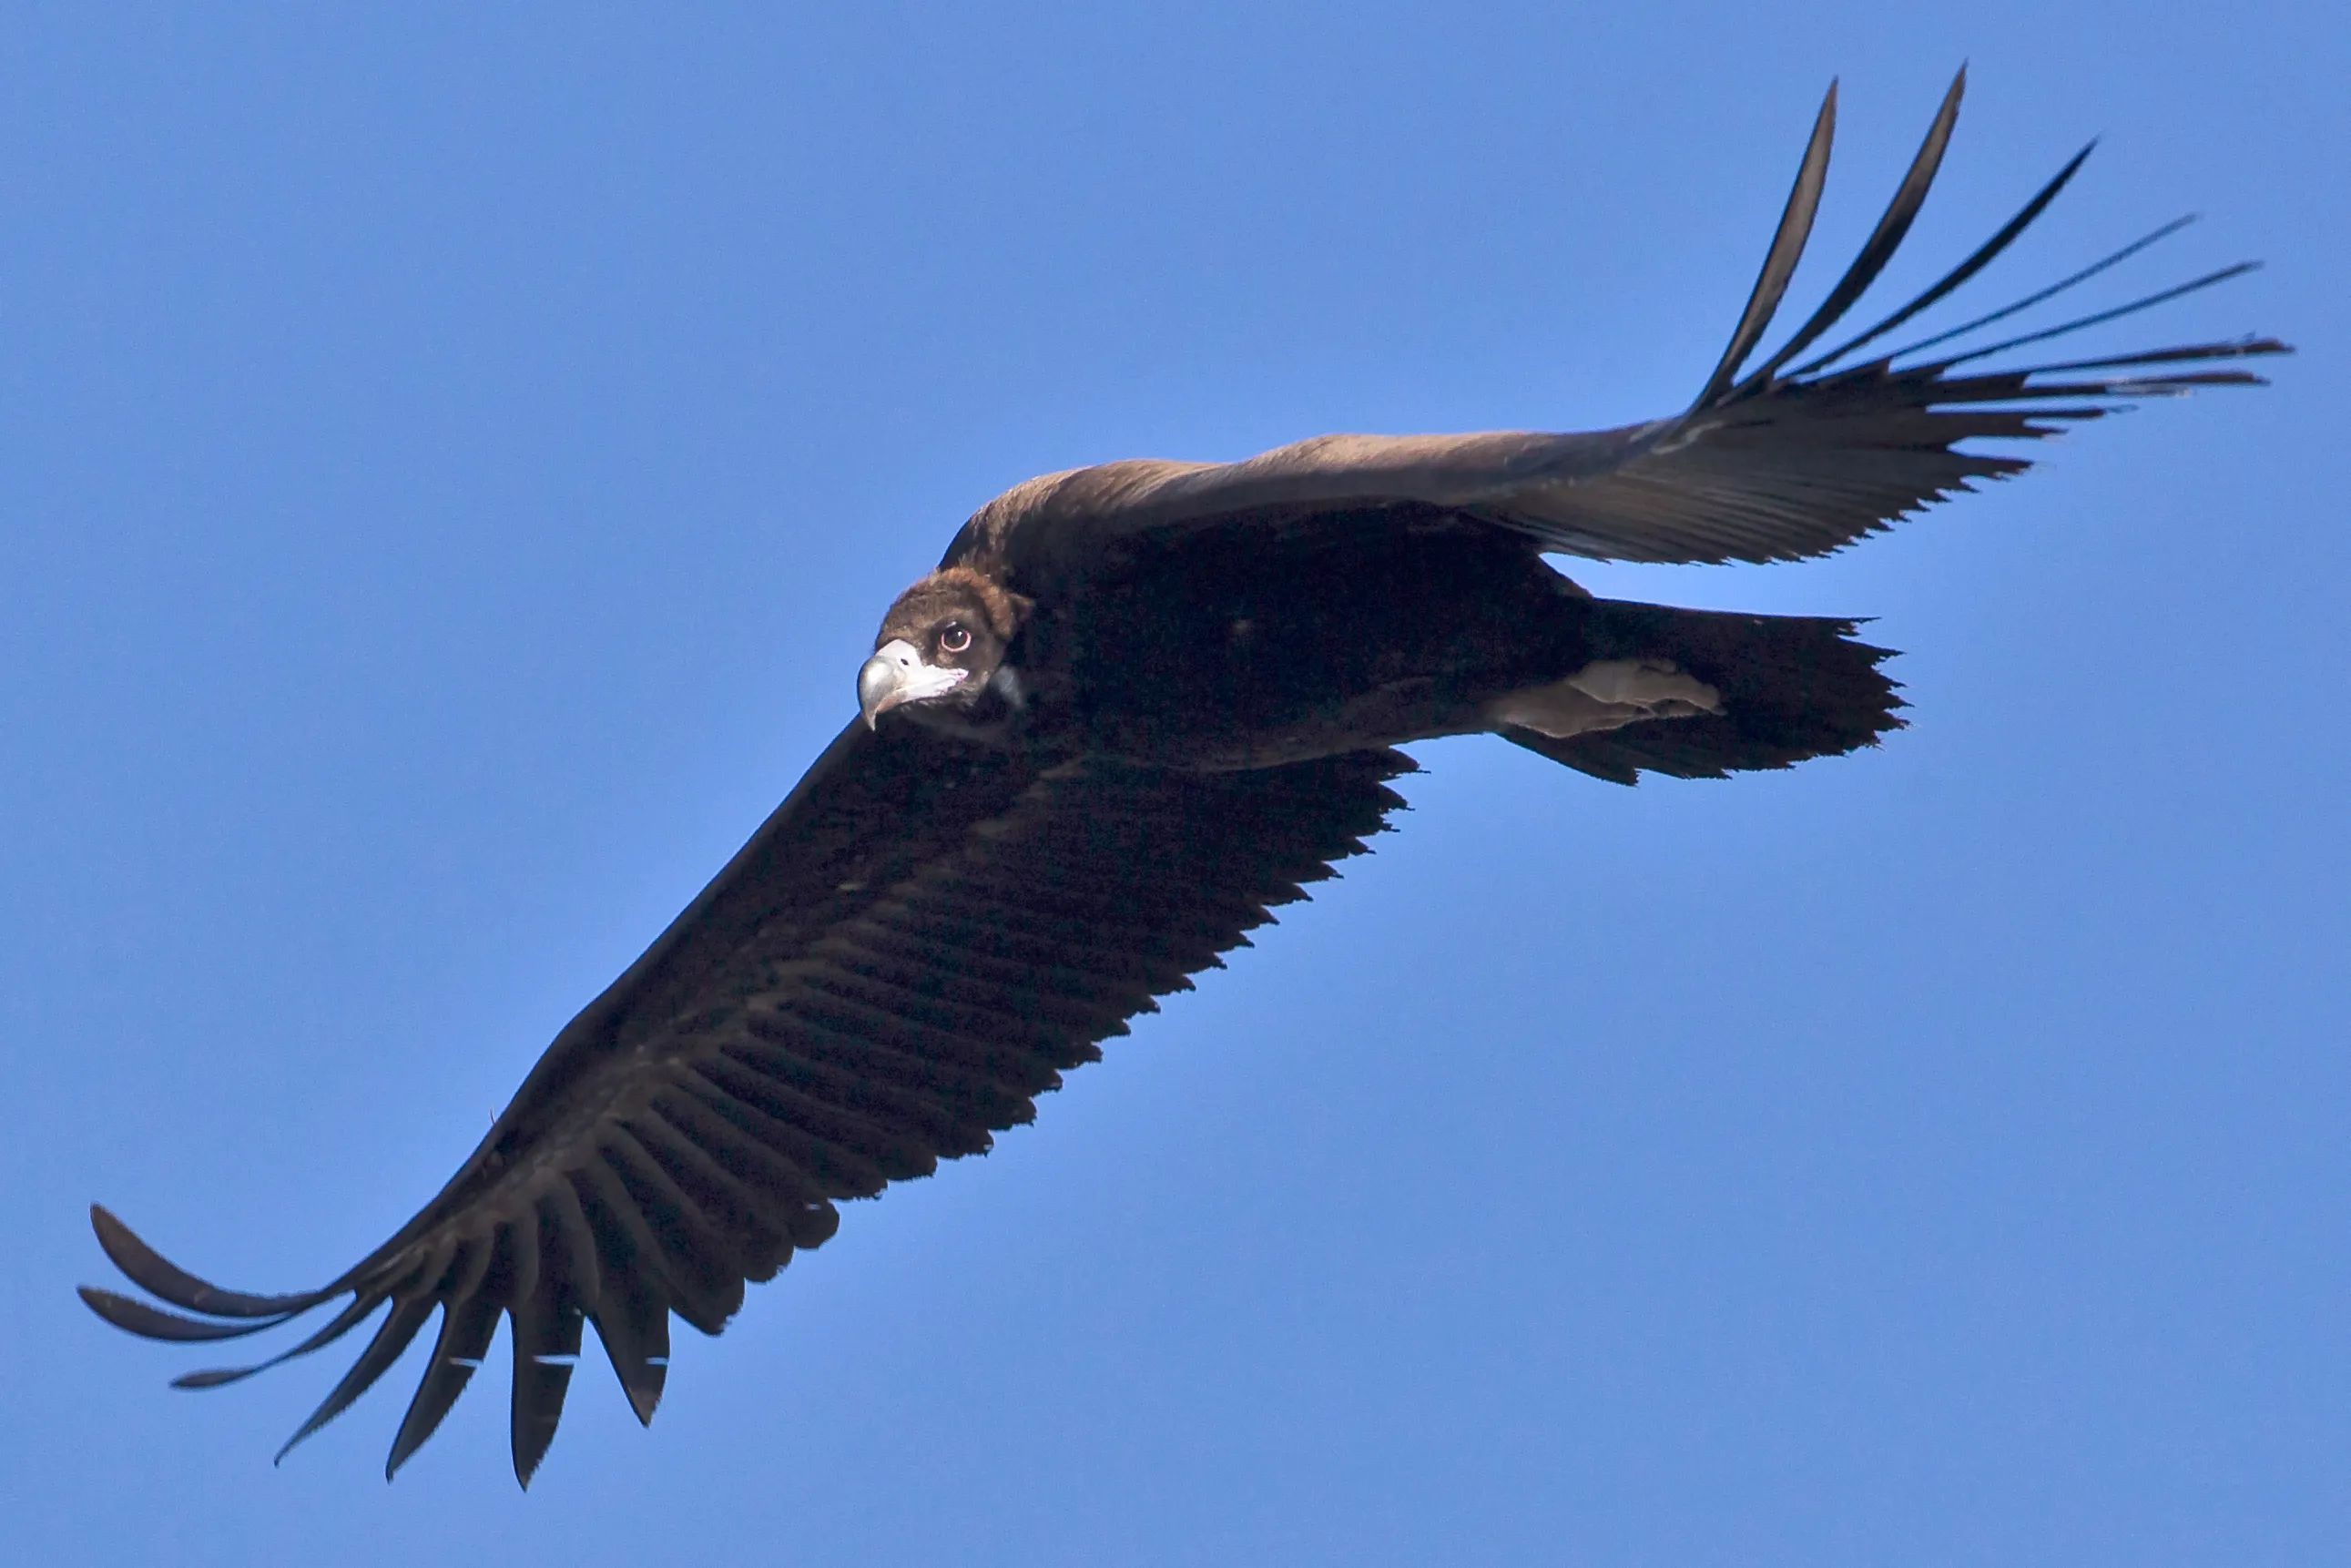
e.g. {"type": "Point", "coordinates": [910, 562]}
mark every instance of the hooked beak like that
{"type": "Point", "coordinates": [896, 674]}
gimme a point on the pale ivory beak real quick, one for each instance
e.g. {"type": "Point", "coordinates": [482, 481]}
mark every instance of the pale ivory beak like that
{"type": "Point", "coordinates": [895, 675]}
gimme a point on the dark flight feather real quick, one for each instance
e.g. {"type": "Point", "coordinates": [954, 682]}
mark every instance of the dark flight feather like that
{"type": "Point", "coordinates": [1982, 256]}
{"type": "Point", "coordinates": [547, 1326]}
{"type": "Point", "coordinates": [153, 1323]}
{"type": "Point", "coordinates": [2115, 313]}
{"type": "Point", "coordinates": [408, 1314]}
{"type": "Point", "coordinates": [2037, 295]}
{"type": "Point", "coordinates": [468, 1323]}
{"type": "Point", "coordinates": [1787, 248]}
{"type": "Point", "coordinates": [147, 1269]}
{"type": "Point", "coordinates": [362, 1305]}
{"type": "Point", "coordinates": [1883, 241]}
{"type": "Point", "coordinates": [632, 1323]}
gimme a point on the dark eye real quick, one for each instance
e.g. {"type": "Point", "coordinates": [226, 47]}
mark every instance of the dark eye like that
{"type": "Point", "coordinates": [953, 638]}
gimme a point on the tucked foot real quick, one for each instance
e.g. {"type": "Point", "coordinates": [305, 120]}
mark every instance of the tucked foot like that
{"type": "Point", "coordinates": [1608, 694]}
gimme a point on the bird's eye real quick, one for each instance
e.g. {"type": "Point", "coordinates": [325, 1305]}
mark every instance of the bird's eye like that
{"type": "Point", "coordinates": [953, 638]}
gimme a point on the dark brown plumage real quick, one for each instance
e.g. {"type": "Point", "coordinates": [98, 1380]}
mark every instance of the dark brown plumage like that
{"type": "Point", "coordinates": [1139, 706]}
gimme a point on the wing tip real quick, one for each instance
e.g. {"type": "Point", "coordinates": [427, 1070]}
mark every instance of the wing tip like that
{"type": "Point", "coordinates": [167, 1281]}
{"type": "Point", "coordinates": [1787, 241]}
{"type": "Point", "coordinates": [215, 1378]}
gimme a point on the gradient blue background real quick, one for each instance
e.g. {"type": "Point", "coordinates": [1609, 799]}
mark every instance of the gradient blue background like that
{"type": "Point", "coordinates": [452, 458]}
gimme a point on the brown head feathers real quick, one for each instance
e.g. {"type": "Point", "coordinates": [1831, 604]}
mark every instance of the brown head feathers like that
{"type": "Point", "coordinates": [950, 591]}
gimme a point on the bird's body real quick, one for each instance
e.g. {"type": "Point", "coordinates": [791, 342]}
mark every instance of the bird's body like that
{"type": "Point", "coordinates": [1239, 646]}
{"type": "Point", "coordinates": [1135, 707]}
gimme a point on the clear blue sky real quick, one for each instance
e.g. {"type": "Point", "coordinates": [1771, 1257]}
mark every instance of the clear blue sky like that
{"type": "Point", "coordinates": [453, 459]}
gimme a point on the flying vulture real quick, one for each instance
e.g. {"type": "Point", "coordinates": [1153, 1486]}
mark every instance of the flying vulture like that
{"type": "Point", "coordinates": [1135, 708]}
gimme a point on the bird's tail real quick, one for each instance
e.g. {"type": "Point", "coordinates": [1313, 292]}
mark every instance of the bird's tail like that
{"type": "Point", "coordinates": [1736, 692]}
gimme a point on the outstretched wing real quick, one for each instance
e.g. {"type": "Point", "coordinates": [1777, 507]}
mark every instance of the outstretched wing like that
{"type": "Point", "coordinates": [917, 943]}
{"type": "Point", "coordinates": [1780, 464]}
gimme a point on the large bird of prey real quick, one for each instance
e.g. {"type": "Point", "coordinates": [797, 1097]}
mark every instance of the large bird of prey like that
{"type": "Point", "coordinates": [1135, 707]}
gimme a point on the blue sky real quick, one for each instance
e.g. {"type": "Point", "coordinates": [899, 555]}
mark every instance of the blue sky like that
{"type": "Point", "coordinates": [451, 461]}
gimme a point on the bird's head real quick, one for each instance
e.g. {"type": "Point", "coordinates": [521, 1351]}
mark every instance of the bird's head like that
{"type": "Point", "coordinates": [941, 645]}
